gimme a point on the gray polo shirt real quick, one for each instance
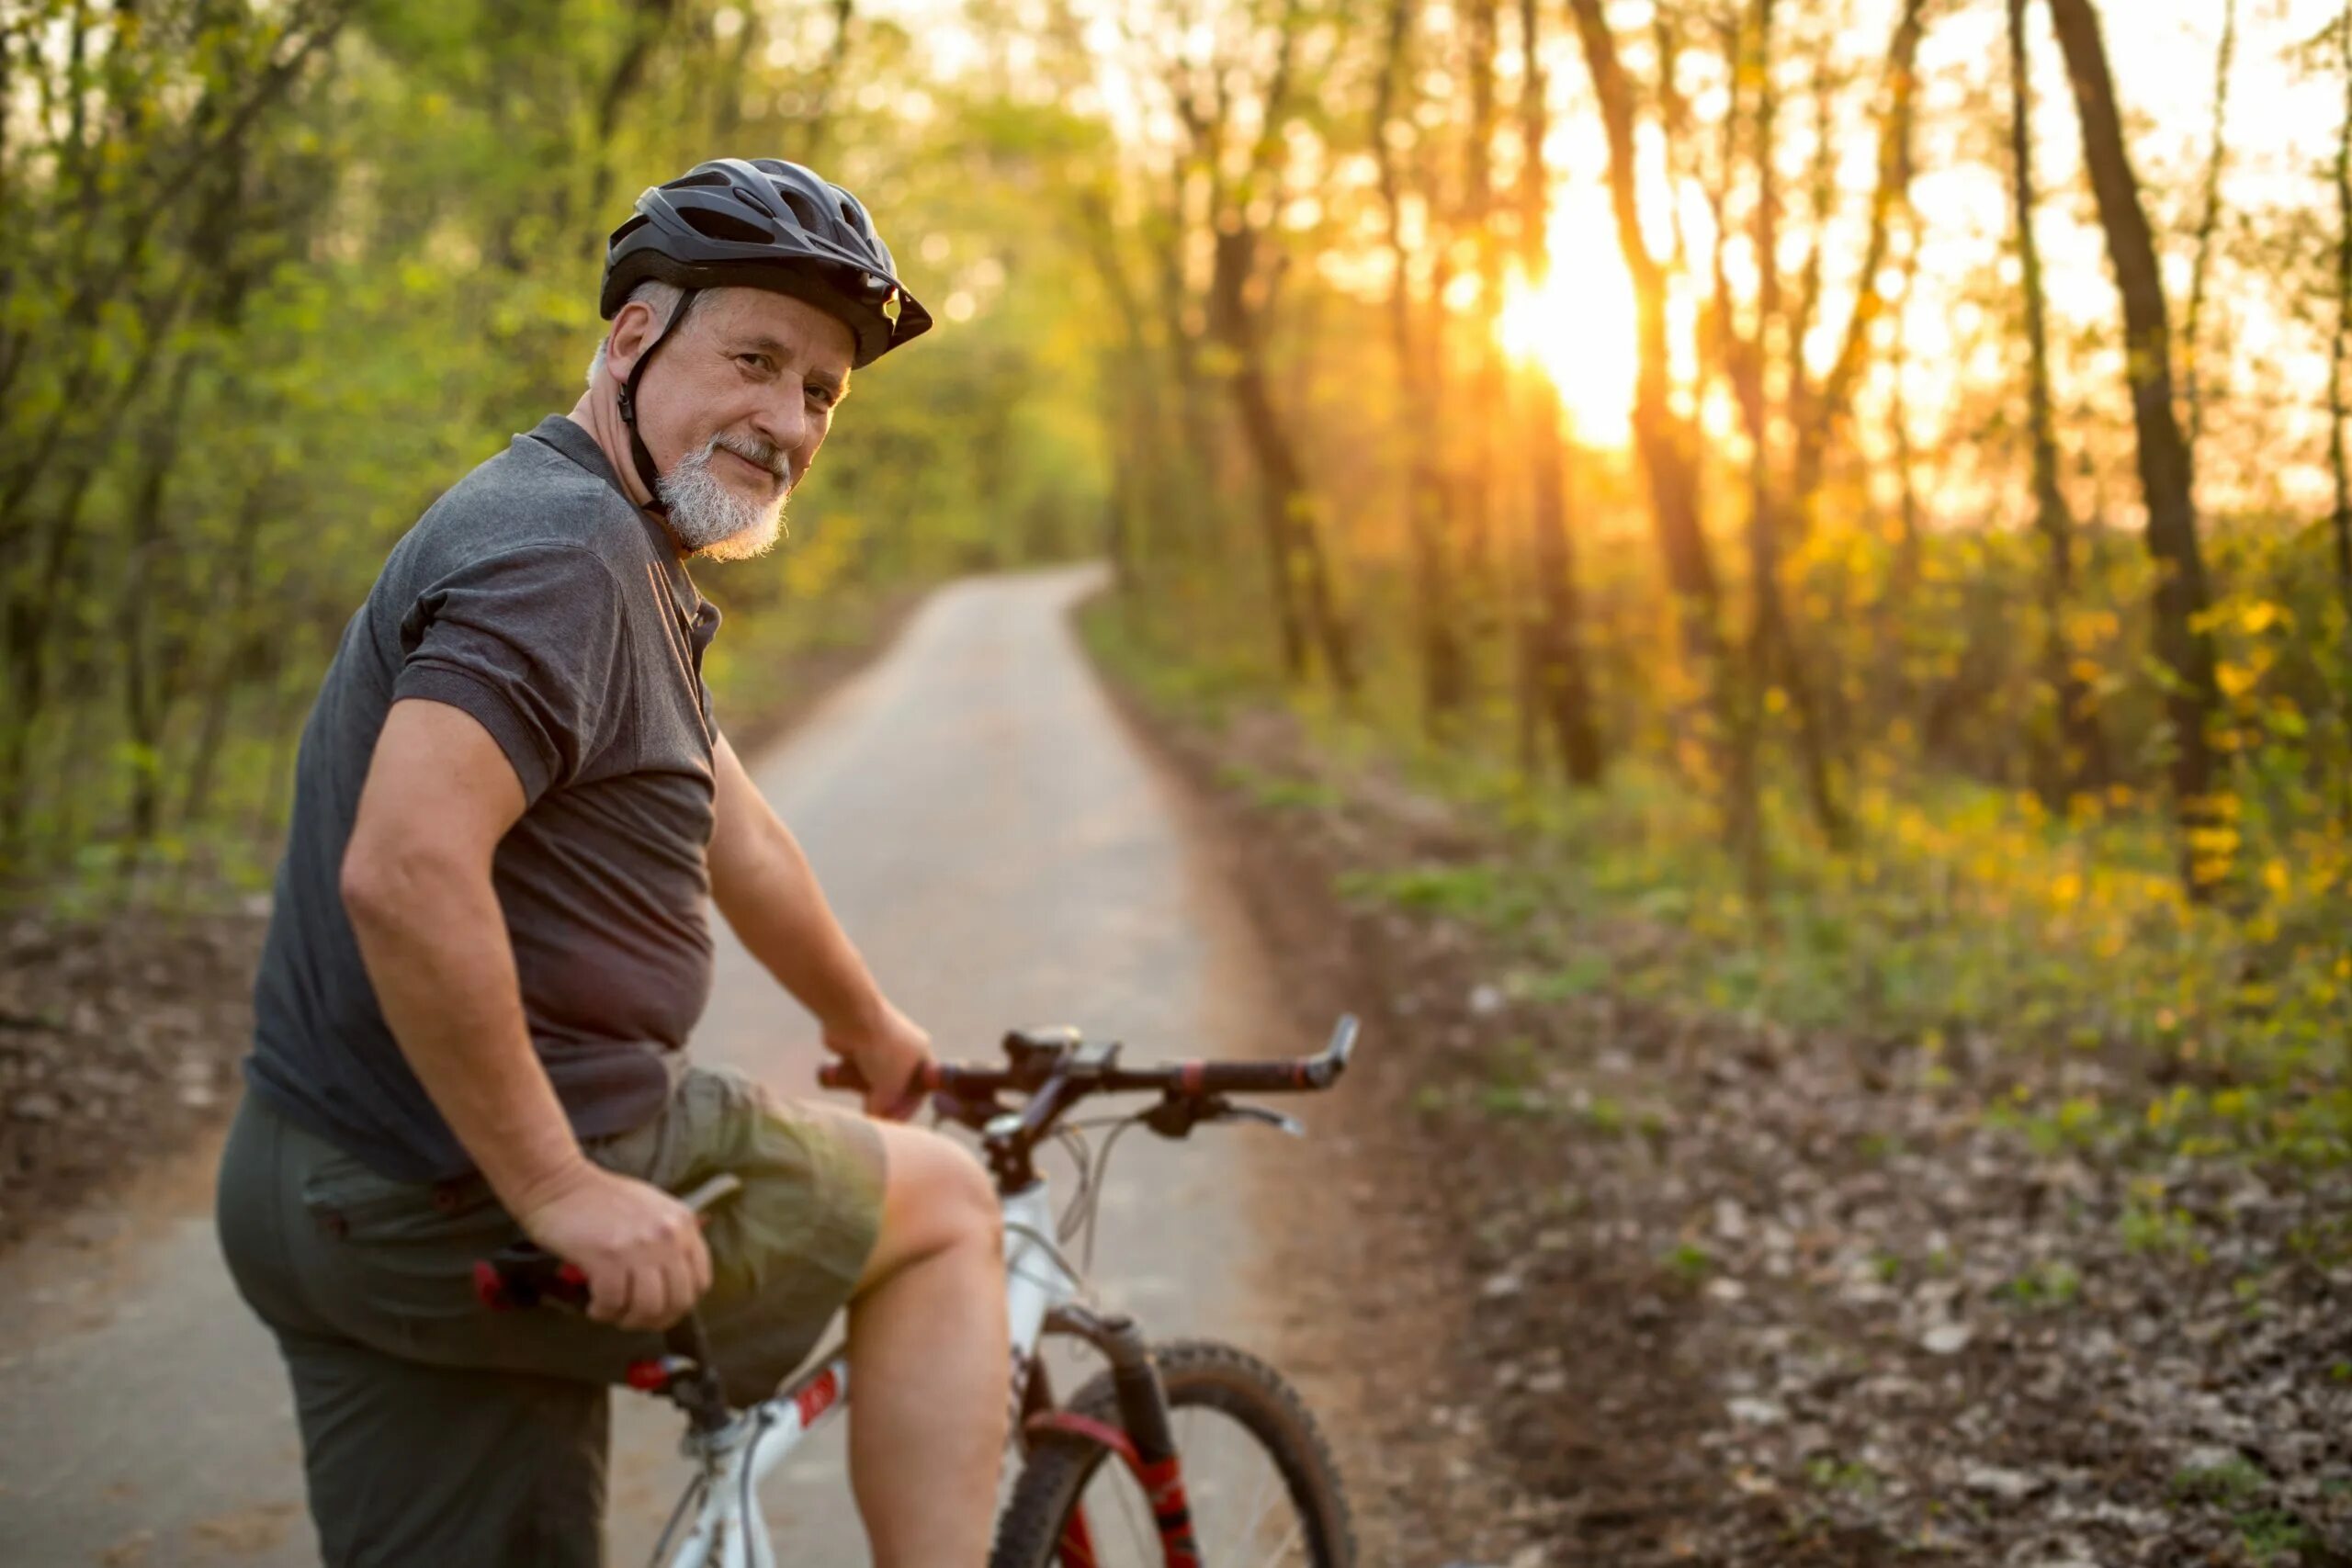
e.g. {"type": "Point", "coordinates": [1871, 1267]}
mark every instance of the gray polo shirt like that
{"type": "Point", "coordinates": [537, 597]}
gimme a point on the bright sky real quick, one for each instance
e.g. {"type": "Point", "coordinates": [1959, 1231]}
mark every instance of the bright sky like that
{"type": "Point", "coordinates": [2282, 127]}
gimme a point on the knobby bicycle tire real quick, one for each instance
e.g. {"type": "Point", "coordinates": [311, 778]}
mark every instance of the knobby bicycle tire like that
{"type": "Point", "coordinates": [1196, 1373]}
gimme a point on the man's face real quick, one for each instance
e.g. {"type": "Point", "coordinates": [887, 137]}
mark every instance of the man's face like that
{"type": "Point", "coordinates": [734, 411]}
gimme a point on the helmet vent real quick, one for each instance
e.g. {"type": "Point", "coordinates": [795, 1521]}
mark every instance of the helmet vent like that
{"type": "Point", "coordinates": [723, 226]}
{"type": "Point", "coordinates": [803, 211]}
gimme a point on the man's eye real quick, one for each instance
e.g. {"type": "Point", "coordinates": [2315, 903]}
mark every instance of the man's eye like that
{"type": "Point", "coordinates": [759, 362]}
{"type": "Point", "coordinates": [822, 394]}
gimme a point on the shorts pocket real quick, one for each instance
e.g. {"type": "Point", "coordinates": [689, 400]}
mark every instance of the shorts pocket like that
{"type": "Point", "coordinates": [348, 1201]}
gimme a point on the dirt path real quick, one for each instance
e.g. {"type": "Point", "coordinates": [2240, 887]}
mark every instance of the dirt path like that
{"type": "Point", "coordinates": [1001, 849]}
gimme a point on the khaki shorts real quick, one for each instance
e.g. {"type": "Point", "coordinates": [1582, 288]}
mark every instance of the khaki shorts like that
{"type": "Point", "coordinates": [437, 1432]}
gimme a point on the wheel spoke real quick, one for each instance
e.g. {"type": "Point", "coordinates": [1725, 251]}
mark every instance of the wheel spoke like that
{"type": "Point", "coordinates": [1146, 1544]}
{"type": "Point", "coordinates": [1281, 1548]}
{"type": "Point", "coordinates": [1249, 1518]}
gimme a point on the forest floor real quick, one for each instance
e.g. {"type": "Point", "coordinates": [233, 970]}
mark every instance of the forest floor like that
{"type": "Point", "coordinates": [121, 1033]}
{"type": "Point", "coordinates": [1629, 1284]}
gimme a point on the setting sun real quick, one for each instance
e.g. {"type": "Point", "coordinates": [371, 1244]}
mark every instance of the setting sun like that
{"type": "Point", "coordinates": [1577, 324]}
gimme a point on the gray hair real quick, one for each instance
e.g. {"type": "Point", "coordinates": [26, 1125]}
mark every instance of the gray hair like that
{"type": "Point", "coordinates": [662, 297]}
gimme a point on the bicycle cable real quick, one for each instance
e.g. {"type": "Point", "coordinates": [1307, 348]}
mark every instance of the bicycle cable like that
{"type": "Point", "coordinates": [696, 1489]}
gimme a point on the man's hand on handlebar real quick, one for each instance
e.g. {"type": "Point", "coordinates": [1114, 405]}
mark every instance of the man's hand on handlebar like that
{"type": "Point", "coordinates": [890, 1052]}
{"type": "Point", "coordinates": [641, 1248]}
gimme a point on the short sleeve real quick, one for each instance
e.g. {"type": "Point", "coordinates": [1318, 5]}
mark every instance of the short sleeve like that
{"type": "Point", "coordinates": [530, 642]}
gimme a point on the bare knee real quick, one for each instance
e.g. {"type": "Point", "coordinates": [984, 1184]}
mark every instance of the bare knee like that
{"type": "Point", "coordinates": [936, 1198]}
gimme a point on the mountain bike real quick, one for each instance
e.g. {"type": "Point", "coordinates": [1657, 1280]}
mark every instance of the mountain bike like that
{"type": "Point", "coordinates": [1190, 1454]}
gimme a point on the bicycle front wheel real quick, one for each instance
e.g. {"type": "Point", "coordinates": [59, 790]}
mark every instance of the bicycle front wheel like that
{"type": "Point", "coordinates": [1263, 1489]}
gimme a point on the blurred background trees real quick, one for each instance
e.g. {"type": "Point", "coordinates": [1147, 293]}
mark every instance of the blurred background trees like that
{"type": "Point", "coordinates": [1878, 461]}
{"type": "Point", "coordinates": [282, 273]}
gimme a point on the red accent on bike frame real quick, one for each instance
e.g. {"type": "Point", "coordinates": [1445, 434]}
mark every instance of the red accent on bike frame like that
{"type": "Point", "coordinates": [1162, 1483]}
{"type": "Point", "coordinates": [1086, 1427]}
{"type": "Point", "coordinates": [488, 1287]}
{"type": "Point", "coordinates": [817, 1397]}
{"type": "Point", "coordinates": [648, 1376]}
{"type": "Point", "coordinates": [1189, 1076]}
{"type": "Point", "coordinates": [1077, 1548]}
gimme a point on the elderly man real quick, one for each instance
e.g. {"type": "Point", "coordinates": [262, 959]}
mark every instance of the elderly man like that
{"type": "Point", "coordinates": [490, 941]}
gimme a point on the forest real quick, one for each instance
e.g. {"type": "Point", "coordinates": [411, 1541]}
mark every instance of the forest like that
{"type": "Point", "coordinates": [1863, 483]}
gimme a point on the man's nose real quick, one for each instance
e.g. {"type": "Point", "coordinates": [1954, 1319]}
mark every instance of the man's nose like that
{"type": "Point", "coordinates": [784, 423]}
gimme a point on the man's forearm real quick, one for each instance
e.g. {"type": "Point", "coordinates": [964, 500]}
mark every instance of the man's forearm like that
{"type": "Point", "coordinates": [769, 894]}
{"type": "Point", "coordinates": [434, 943]}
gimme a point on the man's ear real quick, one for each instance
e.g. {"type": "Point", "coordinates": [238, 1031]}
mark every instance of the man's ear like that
{"type": "Point", "coordinates": [633, 330]}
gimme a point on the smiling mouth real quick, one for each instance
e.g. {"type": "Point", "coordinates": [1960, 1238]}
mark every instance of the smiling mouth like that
{"type": "Point", "coordinates": [767, 476]}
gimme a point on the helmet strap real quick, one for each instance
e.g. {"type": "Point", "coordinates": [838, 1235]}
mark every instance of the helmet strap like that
{"type": "Point", "coordinates": [647, 473]}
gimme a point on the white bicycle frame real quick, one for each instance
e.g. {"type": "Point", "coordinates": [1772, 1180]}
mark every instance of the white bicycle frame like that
{"type": "Point", "coordinates": [728, 1529]}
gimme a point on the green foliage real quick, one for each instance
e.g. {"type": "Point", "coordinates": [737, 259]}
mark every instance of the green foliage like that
{"type": "Point", "coordinates": [1960, 911]}
{"type": "Point", "coordinates": [281, 273]}
{"type": "Point", "coordinates": [1689, 1263]}
{"type": "Point", "coordinates": [2230, 1483]}
{"type": "Point", "coordinates": [1484, 895]}
{"type": "Point", "coordinates": [2148, 1226]}
{"type": "Point", "coordinates": [2049, 1285]}
{"type": "Point", "coordinates": [1581, 975]}
{"type": "Point", "coordinates": [2237, 1487]}
{"type": "Point", "coordinates": [1829, 1473]}
{"type": "Point", "coordinates": [1277, 792]}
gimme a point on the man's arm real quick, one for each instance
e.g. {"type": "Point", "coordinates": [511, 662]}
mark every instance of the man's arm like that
{"type": "Point", "coordinates": [417, 884]}
{"type": "Point", "coordinates": [764, 884]}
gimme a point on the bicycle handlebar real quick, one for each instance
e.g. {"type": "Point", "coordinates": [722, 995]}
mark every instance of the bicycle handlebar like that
{"type": "Point", "coordinates": [1284, 1075]}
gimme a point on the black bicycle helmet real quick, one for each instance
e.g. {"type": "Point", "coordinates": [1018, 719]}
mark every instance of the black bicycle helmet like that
{"type": "Point", "coordinates": [758, 223]}
{"type": "Point", "coordinates": [765, 223]}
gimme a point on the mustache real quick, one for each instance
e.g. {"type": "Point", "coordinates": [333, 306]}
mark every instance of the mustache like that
{"type": "Point", "coordinates": [754, 451]}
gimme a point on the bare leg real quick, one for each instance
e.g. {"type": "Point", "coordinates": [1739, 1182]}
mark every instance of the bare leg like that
{"type": "Point", "coordinates": [930, 1361]}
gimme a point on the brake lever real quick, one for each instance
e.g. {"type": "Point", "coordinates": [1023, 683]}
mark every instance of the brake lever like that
{"type": "Point", "coordinates": [1274, 1119]}
{"type": "Point", "coordinates": [1176, 1116]}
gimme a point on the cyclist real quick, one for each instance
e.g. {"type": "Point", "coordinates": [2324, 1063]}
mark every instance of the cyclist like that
{"type": "Point", "coordinates": [489, 942]}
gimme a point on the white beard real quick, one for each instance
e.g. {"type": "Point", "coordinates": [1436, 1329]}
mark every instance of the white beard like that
{"type": "Point", "coordinates": [708, 518]}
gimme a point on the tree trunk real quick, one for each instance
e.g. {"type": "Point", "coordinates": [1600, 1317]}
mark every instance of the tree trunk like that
{"type": "Point", "coordinates": [2342, 518]}
{"type": "Point", "coordinates": [2209, 222]}
{"type": "Point", "coordinates": [222, 684]}
{"type": "Point", "coordinates": [1478, 490]}
{"type": "Point", "coordinates": [1556, 640]}
{"type": "Point", "coordinates": [2080, 762]}
{"type": "Point", "coordinates": [2183, 645]}
{"type": "Point", "coordinates": [1239, 301]}
{"type": "Point", "coordinates": [1287, 509]}
{"type": "Point", "coordinates": [1770, 649]}
{"type": "Point", "coordinates": [1819, 411]}
{"type": "Point", "coordinates": [146, 703]}
{"type": "Point", "coordinates": [1667, 445]}
{"type": "Point", "coordinates": [1420, 380]}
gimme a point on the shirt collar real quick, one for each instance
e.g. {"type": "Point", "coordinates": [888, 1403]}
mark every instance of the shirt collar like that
{"type": "Point", "coordinates": [567, 436]}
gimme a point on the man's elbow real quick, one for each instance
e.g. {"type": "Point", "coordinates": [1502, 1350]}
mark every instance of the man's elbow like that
{"type": "Point", "coordinates": [389, 880]}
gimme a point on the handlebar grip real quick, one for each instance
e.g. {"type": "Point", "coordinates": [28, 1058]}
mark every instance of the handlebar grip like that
{"type": "Point", "coordinates": [524, 1274]}
{"type": "Point", "coordinates": [846, 1076]}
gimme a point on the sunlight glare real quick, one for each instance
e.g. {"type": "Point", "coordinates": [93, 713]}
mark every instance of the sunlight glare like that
{"type": "Point", "coordinates": [1577, 324]}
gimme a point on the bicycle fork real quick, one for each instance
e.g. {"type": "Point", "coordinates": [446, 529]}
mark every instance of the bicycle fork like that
{"type": "Point", "coordinates": [1142, 1439]}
